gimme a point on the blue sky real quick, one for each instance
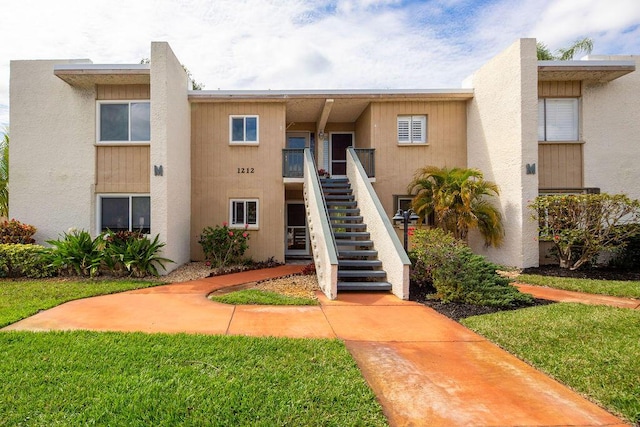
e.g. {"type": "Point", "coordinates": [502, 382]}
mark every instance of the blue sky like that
{"type": "Point", "coordinates": [306, 44]}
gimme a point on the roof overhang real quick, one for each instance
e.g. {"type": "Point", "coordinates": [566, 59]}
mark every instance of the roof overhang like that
{"type": "Point", "coordinates": [590, 71]}
{"type": "Point", "coordinates": [322, 106]}
{"type": "Point", "coordinates": [88, 75]}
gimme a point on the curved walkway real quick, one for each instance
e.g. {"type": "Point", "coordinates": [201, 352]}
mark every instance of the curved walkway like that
{"type": "Point", "coordinates": [424, 368]}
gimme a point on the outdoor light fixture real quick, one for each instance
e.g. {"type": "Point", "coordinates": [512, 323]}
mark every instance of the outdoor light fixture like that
{"type": "Point", "coordinates": [405, 217]}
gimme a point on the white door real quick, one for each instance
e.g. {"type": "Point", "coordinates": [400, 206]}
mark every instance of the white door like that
{"type": "Point", "coordinates": [338, 153]}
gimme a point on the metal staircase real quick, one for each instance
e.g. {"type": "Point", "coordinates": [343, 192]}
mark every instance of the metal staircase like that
{"type": "Point", "coordinates": [359, 268]}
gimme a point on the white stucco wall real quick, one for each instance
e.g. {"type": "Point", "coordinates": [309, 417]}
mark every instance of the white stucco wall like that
{"type": "Point", "coordinates": [611, 132]}
{"type": "Point", "coordinates": [52, 150]}
{"type": "Point", "coordinates": [502, 139]}
{"type": "Point", "coordinates": [170, 148]}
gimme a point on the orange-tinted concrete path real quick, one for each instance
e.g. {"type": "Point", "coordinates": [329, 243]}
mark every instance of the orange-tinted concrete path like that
{"type": "Point", "coordinates": [425, 369]}
{"type": "Point", "coordinates": [571, 296]}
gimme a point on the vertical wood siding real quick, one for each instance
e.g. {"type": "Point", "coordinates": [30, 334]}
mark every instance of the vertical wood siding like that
{"type": "Point", "coordinates": [114, 92]}
{"type": "Point", "coordinates": [396, 164]}
{"type": "Point", "coordinates": [560, 89]}
{"type": "Point", "coordinates": [215, 178]}
{"type": "Point", "coordinates": [560, 165]}
{"type": "Point", "coordinates": [123, 169]}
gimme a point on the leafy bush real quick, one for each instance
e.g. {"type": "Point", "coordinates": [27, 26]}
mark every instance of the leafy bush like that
{"type": "Point", "coordinates": [76, 253]}
{"type": "Point", "coordinates": [132, 252]}
{"type": "Point", "coordinates": [628, 256]}
{"type": "Point", "coordinates": [114, 253]}
{"type": "Point", "coordinates": [223, 246]}
{"type": "Point", "coordinates": [309, 269]}
{"type": "Point", "coordinates": [581, 226]}
{"type": "Point", "coordinates": [14, 231]}
{"type": "Point", "coordinates": [459, 275]}
{"type": "Point", "coordinates": [18, 260]}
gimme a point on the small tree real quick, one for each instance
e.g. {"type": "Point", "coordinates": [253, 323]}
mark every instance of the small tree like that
{"type": "Point", "coordinates": [4, 173]}
{"type": "Point", "coordinates": [457, 198]}
{"type": "Point", "coordinates": [581, 226]}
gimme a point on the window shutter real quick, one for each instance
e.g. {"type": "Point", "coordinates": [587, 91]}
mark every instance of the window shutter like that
{"type": "Point", "coordinates": [541, 120]}
{"type": "Point", "coordinates": [404, 123]}
{"type": "Point", "coordinates": [418, 129]}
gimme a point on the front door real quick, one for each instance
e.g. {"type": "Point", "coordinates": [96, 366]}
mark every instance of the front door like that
{"type": "Point", "coordinates": [339, 144]}
{"type": "Point", "coordinates": [296, 233]}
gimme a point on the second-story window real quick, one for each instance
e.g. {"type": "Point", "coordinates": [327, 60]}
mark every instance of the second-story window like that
{"type": "Point", "coordinates": [124, 121]}
{"type": "Point", "coordinates": [412, 129]}
{"type": "Point", "coordinates": [243, 129]}
{"type": "Point", "coordinates": [558, 119]}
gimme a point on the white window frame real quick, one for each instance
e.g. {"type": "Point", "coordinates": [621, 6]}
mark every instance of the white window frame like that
{"type": "Point", "coordinates": [244, 141]}
{"type": "Point", "coordinates": [543, 119]}
{"type": "Point", "coordinates": [412, 129]}
{"type": "Point", "coordinates": [99, 198]}
{"type": "Point", "coordinates": [242, 224]}
{"type": "Point", "coordinates": [128, 102]}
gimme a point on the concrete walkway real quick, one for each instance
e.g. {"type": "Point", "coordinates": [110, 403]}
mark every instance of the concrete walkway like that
{"type": "Point", "coordinates": [424, 368]}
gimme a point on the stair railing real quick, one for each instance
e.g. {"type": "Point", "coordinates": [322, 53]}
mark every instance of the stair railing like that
{"type": "Point", "coordinates": [325, 251]}
{"type": "Point", "coordinates": [390, 251]}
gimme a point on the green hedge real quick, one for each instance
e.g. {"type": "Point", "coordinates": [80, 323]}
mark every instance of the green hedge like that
{"type": "Point", "coordinates": [18, 260]}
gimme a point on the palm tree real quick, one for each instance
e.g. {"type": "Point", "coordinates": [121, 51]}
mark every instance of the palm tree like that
{"type": "Point", "coordinates": [4, 173]}
{"type": "Point", "coordinates": [584, 44]}
{"type": "Point", "coordinates": [456, 198]}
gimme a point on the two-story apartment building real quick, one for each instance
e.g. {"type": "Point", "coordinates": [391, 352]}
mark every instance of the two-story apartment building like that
{"type": "Point", "coordinates": [132, 147]}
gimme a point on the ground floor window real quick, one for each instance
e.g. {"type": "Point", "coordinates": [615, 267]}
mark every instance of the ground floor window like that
{"type": "Point", "coordinates": [243, 212]}
{"type": "Point", "coordinates": [124, 213]}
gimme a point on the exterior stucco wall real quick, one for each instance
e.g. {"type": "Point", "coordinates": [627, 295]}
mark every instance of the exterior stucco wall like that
{"type": "Point", "coordinates": [52, 150]}
{"type": "Point", "coordinates": [610, 130]}
{"type": "Point", "coordinates": [502, 139]}
{"type": "Point", "coordinates": [170, 148]}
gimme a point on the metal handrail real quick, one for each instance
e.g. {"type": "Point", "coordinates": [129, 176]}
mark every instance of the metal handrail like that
{"type": "Point", "coordinates": [367, 160]}
{"type": "Point", "coordinates": [291, 157]}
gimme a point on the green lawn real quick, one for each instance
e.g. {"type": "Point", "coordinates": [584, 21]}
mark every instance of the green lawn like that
{"type": "Point", "coordinates": [260, 297]}
{"type": "Point", "coordinates": [135, 379]}
{"type": "Point", "coordinates": [616, 288]}
{"type": "Point", "coordinates": [593, 349]}
{"type": "Point", "coordinates": [20, 299]}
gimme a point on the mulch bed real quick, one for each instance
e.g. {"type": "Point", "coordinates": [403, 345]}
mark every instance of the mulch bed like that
{"type": "Point", "coordinates": [457, 311]}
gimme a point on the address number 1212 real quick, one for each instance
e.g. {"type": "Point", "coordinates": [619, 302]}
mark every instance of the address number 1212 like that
{"type": "Point", "coordinates": [245, 170]}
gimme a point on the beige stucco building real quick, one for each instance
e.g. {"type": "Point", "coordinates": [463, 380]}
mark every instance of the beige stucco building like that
{"type": "Point", "coordinates": [133, 147]}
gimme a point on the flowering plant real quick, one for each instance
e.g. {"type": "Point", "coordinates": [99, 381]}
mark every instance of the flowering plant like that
{"type": "Point", "coordinates": [223, 246]}
{"type": "Point", "coordinates": [323, 172]}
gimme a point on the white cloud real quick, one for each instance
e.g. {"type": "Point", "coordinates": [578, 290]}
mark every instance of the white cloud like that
{"type": "Point", "coordinates": [287, 44]}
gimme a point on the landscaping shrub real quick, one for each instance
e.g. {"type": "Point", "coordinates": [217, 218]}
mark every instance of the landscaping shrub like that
{"type": "Point", "coordinates": [18, 260]}
{"type": "Point", "coordinates": [118, 253]}
{"type": "Point", "coordinates": [309, 269]}
{"type": "Point", "coordinates": [459, 275]}
{"type": "Point", "coordinates": [15, 232]}
{"type": "Point", "coordinates": [223, 246]}
{"type": "Point", "coordinates": [76, 253]}
{"type": "Point", "coordinates": [582, 226]}
{"type": "Point", "coordinates": [628, 257]}
{"type": "Point", "coordinates": [132, 252]}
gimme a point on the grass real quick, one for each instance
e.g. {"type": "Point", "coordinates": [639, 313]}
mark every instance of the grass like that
{"type": "Point", "coordinates": [20, 299]}
{"type": "Point", "coordinates": [135, 379]}
{"type": "Point", "coordinates": [616, 288]}
{"type": "Point", "coordinates": [260, 297]}
{"type": "Point", "coordinates": [592, 349]}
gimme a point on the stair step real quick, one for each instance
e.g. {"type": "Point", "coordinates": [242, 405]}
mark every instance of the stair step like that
{"type": "Point", "coordinates": [362, 273]}
{"type": "Point", "coordinates": [345, 211]}
{"type": "Point", "coordinates": [358, 253]}
{"type": "Point", "coordinates": [352, 226]}
{"type": "Point", "coordinates": [348, 197]}
{"type": "Point", "coordinates": [364, 286]}
{"type": "Point", "coordinates": [354, 234]}
{"type": "Point", "coordinates": [351, 218]}
{"type": "Point", "coordinates": [341, 203]}
{"type": "Point", "coordinates": [334, 179]}
{"type": "Point", "coordinates": [362, 243]}
{"type": "Point", "coordinates": [363, 263]}
{"type": "Point", "coordinates": [338, 190]}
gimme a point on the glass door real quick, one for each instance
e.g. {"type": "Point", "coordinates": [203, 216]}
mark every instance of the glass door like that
{"type": "Point", "coordinates": [296, 233]}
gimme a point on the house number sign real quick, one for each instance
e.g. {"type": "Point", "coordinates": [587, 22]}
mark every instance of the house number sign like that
{"type": "Point", "coordinates": [245, 170]}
